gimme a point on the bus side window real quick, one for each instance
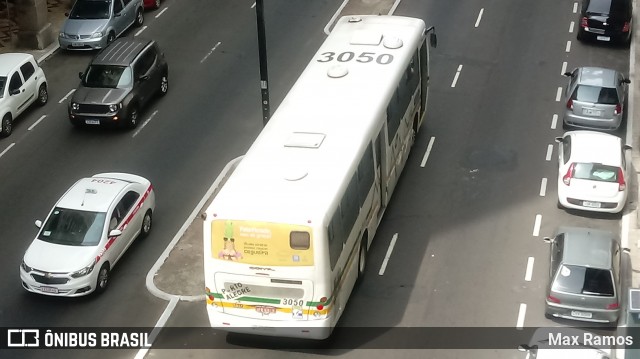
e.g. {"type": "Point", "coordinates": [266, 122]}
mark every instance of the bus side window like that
{"type": "Point", "coordinates": [365, 175]}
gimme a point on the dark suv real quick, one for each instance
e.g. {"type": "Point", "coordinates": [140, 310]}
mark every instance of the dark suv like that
{"type": "Point", "coordinates": [118, 83]}
{"type": "Point", "coordinates": [605, 20]}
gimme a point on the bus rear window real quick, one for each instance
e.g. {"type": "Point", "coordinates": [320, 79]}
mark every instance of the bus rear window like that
{"type": "Point", "coordinates": [299, 240]}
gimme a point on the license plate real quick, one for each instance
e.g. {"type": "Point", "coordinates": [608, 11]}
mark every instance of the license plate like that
{"type": "Point", "coordinates": [49, 290]}
{"type": "Point", "coordinates": [591, 112]}
{"type": "Point", "coordinates": [92, 122]}
{"type": "Point", "coordinates": [591, 204]}
{"type": "Point", "coordinates": [603, 38]}
{"type": "Point", "coordinates": [76, 44]}
{"type": "Point", "coordinates": [587, 315]}
{"type": "Point", "coordinates": [265, 309]}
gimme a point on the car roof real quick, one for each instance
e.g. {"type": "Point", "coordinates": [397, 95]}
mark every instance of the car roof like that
{"type": "Point", "coordinates": [121, 52]}
{"type": "Point", "coordinates": [8, 61]}
{"type": "Point", "coordinates": [595, 147]}
{"type": "Point", "coordinates": [95, 194]}
{"type": "Point", "coordinates": [597, 76]}
{"type": "Point", "coordinates": [587, 247]}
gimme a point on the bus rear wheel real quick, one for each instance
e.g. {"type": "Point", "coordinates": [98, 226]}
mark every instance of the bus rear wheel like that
{"type": "Point", "coordinates": [362, 259]}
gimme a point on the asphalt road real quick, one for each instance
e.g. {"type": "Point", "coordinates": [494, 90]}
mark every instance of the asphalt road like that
{"type": "Point", "coordinates": [466, 222]}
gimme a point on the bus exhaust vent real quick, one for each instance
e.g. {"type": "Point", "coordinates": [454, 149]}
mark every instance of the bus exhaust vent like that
{"type": "Point", "coordinates": [337, 71]}
{"type": "Point", "coordinates": [284, 281]}
{"type": "Point", "coordinates": [361, 37]}
{"type": "Point", "coordinates": [305, 140]}
{"type": "Point", "coordinates": [392, 42]}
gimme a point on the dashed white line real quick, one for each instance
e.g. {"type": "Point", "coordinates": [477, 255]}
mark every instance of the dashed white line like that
{"type": "Point", "coordinates": [554, 122]}
{"type": "Point", "coordinates": [564, 68]}
{"type": "Point", "coordinates": [455, 78]}
{"type": "Point", "coordinates": [521, 314]}
{"type": "Point", "coordinates": [254, 5]}
{"type": "Point", "coordinates": [529, 272]}
{"type": "Point", "coordinates": [549, 152]}
{"type": "Point", "coordinates": [479, 17]}
{"type": "Point", "coordinates": [144, 123]}
{"type": "Point", "coordinates": [140, 31]}
{"type": "Point", "coordinates": [536, 225]}
{"type": "Point", "coordinates": [37, 122]}
{"type": "Point", "coordinates": [558, 94]}
{"type": "Point", "coordinates": [568, 47]}
{"type": "Point", "coordinates": [543, 187]}
{"type": "Point", "coordinates": [571, 25]}
{"type": "Point", "coordinates": [7, 149]}
{"type": "Point", "coordinates": [426, 154]}
{"type": "Point", "coordinates": [388, 255]}
{"type": "Point", "coordinates": [575, 7]}
{"type": "Point", "coordinates": [161, 12]}
{"type": "Point", "coordinates": [210, 52]}
{"type": "Point", "coordinates": [66, 96]}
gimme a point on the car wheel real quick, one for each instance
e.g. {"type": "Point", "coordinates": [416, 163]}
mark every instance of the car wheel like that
{"type": "Point", "coordinates": [580, 35]}
{"type": "Point", "coordinates": [103, 278]}
{"type": "Point", "coordinates": [164, 84]}
{"type": "Point", "coordinates": [362, 259]}
{"type": "Point", "coordinates": [132, 119]}
{"type": "Point", "coordinates": [43, 95]}
{"type": "Point", "coordinates": [111, 37]}
{"type": "Point", "coordinates": [139, 18]}
{"type": "Point", "coordinates": [147, 223]}
{"type": "Point", "coordinates": [157, 4]}
{"type": "Point", "coordinates": [7, 126]}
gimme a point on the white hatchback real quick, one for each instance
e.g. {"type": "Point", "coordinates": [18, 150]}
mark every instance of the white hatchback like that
{"type": "Point", "coordinates": [22, 83]}
{"type": "Point", "coordinates": [592, 171]}
{"type": "Point", "coordinates": [86, 233]}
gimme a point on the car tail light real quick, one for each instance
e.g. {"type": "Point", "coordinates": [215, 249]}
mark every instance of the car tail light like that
{"type": "Point", "coordinates": [626, 27]}
{"type": "Point", "coordinates": [583, 22]}
{"type": "Point", "coordinates": [618, 109]}
{"type": "Point", "coordinates": [553, 299]}
{"type": "Point", "coordinates": [567, 177]}
{"type": "Point", "coordinates": [613, 306]}
{"type": "Point", "coordinates": [570, 104]}
{"type": "Point", "coordinates": [622, 185]}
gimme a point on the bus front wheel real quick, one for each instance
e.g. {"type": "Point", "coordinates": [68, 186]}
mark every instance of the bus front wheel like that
{"type": "Point", "coordinates": [362, 259]}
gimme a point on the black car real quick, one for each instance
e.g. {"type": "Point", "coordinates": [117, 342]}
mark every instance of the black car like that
{"type": "Point", "coordinates": [606, 20]}
{"type": "Point", "coordinates": [118, 83]}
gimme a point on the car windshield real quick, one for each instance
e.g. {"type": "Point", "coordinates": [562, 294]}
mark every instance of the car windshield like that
{"type": "Point", "coordinates": [596, 94]}
{"type": "Point", "coordinates": [107, 76]}
{"type": "Point", "coordinates": [73, 228]}
{"type": "Point", "coordinates": [3, 83]}
{"type": "Point", "coordinates": [582, 280]}
{"type": "Point", "coordinates": [90, 9]}
{"type": "Point", "coordinates": [615, 8]}
{"type": "Point", "coordinates": [595, 172]}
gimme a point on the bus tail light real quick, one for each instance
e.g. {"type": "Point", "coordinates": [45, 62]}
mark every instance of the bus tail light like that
{"type": "Point", "coordinates": [321, 305]}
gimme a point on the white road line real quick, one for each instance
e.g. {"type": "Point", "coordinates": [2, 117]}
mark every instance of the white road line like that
{"type": "Point", "coordinates": [140, 31]}
{"type": "Point", "coordinates": [159, 325]}
{"type": "Point", "coordinates": [393, 8]}
{"type": "Point", "coordinates": [575, 7]}
{"type": "Point", "coordinates": [455, 78]}
{"type": "Point", "coordinates": [571, 25]}
{"type": "Point", "coordinates": [479, 17]}
{"type": "Point", "coordinates": [426, 154]}
{"type": "Point", "coordinates": [558, 94]}
{"type": "Point", "coordinates": [66, 96]}
{"type": "Point", "coordinates": [7, 149]}
{"type": "Point", "coordinates": [554, 122]}
{"type": "Point", "coordinates": [388, 255]}
{"type": "Point", "coordinates": [521, 314]}
{"type": "Point", "coordinates": [543, 187]}
{"type": "Point", "coordinates": [210, 52]}
{"type": "Point", "coordinates": [564, 68]}
{"type": "Point", "coordinates": [529, 272]}
{"type": "Point", "coordinates": [549, 152]}
{"type": "Point", "coordinates": [568, 48]}
{"type": "Point", "coordinates": [162, 12]}
{"type": "Point", "coordinates": [37, 122]}
{"type": "Point", "coordinates": [144, 123]}
{"type": "Point", "coordinates": [536, 225]}
{"type": "Point", "coordinates": [254, 5]}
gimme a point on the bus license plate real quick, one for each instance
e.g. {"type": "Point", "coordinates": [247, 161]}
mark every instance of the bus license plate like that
{"type": "Point", "coordinates": [265, 309]}
{"type": "Point", "coordinates": [591, 204]}
{"type": "Point", "coordinates": [586, 315]}
{"type": "Point", "coordinates": [92, 122]}
{"type": "Point", "coordinates": [603, 38]}
{"type": "Point", "coordinates": [49, 290]}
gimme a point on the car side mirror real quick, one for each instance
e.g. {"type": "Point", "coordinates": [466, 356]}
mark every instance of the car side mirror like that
{"type": "Point", "coordinates": [66, 14]}
{"type": "Point", "coordinates": [14, 92]}
{"type": "Point", "coordinates": [547, 239]}
{"type": "Point", "coordinates": [523, 348]}
{"type": "Point", "coordinates": [569, 74]}
{"type": "Point", "coordinates": [80, 75]}
{"type": "Point", "coordinates": [38, 223]}
{"type": "Point", "coordinates": [626, 81]}
{"type": "Point", "coordinates": [627, 147]}
{"type": "Point", "coordinates": [115, 233]}
{"type": "Point", "coordinates": [116, 14]}
{"type": "Point", "coordinates": [560, 139]}
{"type": "Point", "coordinates": [143, 78]}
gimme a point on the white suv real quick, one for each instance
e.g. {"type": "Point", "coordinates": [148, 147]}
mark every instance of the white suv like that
{"type": "Point", "coordinates": [22, 82]}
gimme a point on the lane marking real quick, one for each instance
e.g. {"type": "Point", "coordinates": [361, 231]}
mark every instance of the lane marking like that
{"type": "Point", "coordinates": [536, 225]}
{"type": "Point", "coordinates": [554, 122]}
{"type": "Point", "coordinates": [529, 272]}
{"type": "Point", "coordinates": [575, 7]}
{"type": "Point", "coordinates": [66, 96]}
{"type": "Point", "coordinates": [162, 12]}
{"type": "Point", "coordinates": [549, 152]}
{"type": "Point", "coordinates": [210, 52]}
{"type": "Point", "coordinates": [455, 78]}
{"type": "Point", "coordinates": [388, 255]}
{"type": "Point", "coordinates": [254, 5]}
{"type": "Point", "coordinates": [521, 314]}
{"type": "Point", "coordinates": [140, 31]}
{"type": "Point", "coordinates": [571, 25]}
{"type": "Point", "coordinates": [568, 48]}
{"type": "Point", "coordinates": [37, 122]}
{"type": "Point", "coordinates": [558, 94]}
{"type": "Point", "coordinates": [7, 149]}
{"type": "Point", "coordinates": [543, 187]}
{"type": "Point", "coordinates": [426, 154]}
{"type": "Point", "coordinates": [162, 321]}
{"type": "Point", "coordinates": [144, 123]}
{"type": "Point", "coordinates": [479, 17]}
{"type": "Point", "coordinates": [564, 68]}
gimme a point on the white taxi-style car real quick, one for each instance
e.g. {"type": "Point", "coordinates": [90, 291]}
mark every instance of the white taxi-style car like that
{"type": "Point", "coordinates": [86, 233]}
{"type": "Point", "coordinates": [22, 82]}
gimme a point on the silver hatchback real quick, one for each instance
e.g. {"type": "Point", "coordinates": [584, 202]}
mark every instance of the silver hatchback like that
{"type": "Point", "coordinates": [595, 98]}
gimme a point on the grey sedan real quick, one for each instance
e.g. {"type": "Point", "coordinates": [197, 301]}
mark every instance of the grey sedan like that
{"type": "Point", "coordinates": [595, 98]}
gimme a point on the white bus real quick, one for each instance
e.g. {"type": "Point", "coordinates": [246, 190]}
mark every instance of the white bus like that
{"type": "Point", "coordinates": [286, 238]}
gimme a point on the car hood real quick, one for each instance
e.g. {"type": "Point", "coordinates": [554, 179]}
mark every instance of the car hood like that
{"type": "Point", "coordinates": [97, 95]}
{"type": "Point", "coordinates": [84, 26]}
{"type": "Point", "coordinates": [58, 258]}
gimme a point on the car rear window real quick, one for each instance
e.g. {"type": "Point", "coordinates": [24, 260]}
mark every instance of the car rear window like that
{"type": "Point", "coordinates": [596, 94]}
{"type": "Point", "coordinates": [595, 172]}
{"type": "Point", "coordinates": [583, 280]}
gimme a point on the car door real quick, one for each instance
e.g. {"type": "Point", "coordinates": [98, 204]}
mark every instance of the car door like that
{"type": "Point", "coordinates": [129, 12]}
{"type": "Point", "coordinates": [121, 218]}
{"type": "Point", "coordinates": [28, 72]}
{"type": "Point", "coordinates": [18, 96]}
{"type": "Point", "coordinates": [120, 21]}
{"type": "Point", "coordinates": [144, 75]}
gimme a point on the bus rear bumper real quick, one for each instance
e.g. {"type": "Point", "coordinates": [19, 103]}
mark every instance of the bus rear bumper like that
{"type": "Point", "coordinates": [308, 329]}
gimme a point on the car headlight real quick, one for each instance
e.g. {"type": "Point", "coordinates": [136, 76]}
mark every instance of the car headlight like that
{"type": "Point", "coordinates": [62, 34]}
{"type": "Point", "coordinates": [97, 35]}
{"type": "Point", "coordinates": [75, 106]}
{"type": "Point", "coordinates": [84, 271]}
{"type": "Point", "coordinates": [25, 266]}
{"type": "Point", "coordinates": [115, 107]}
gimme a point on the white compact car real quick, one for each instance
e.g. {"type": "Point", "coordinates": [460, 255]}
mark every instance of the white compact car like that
{"type": "Point", "coordinates": [592, 171]}
{"type": "Point", "coordinates": [86, 233]}
{"type": "Point", "coordinates": [22, 82]}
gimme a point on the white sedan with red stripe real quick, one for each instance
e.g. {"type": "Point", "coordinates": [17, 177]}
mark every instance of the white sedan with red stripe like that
{"type": "Point", "coordinates": [86, 233]}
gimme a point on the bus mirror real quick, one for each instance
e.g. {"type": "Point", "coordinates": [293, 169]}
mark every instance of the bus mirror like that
{"type": "Point", "coordinates": [433, 40]}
